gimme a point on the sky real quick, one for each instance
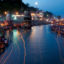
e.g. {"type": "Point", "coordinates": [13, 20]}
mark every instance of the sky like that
{"type": "Point", "coordinates": [54, 6]}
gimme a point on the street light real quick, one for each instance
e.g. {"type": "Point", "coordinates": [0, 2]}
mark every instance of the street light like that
{"type": "Point", "coordinates": [5, 12]}
{"type": "Point", "coordinates": [17, 13]}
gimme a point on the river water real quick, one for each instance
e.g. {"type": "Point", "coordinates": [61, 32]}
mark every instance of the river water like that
{"type": "Point", "coordinates": [36, 46]}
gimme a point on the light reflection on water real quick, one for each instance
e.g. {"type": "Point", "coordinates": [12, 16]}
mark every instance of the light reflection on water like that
{"type": "Point", "coordinates": [36, 33]}
{"type": "Point", "coordinates": [43, 46]}
{"type": "Point", "coordinates": [38, 46]}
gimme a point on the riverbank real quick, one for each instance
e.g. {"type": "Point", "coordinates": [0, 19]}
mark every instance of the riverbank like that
{"type": "Point", "coordinates": [36, 23]}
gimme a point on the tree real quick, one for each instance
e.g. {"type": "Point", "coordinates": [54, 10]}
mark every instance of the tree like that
{"type": "Point", "coordinates": [59, 17]}
{"type": "Point", "coordinates": [48, 14]}
{"type": "Point", "coordinates": [10, 5]}
{"type": "Point", "coordinates": [14, 5]}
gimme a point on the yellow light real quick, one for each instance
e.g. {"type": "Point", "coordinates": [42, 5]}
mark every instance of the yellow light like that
{"type": "Point", "coordinates": [41, 19]}
{"type": "Point", "coordinates": [5, 13]}
{"type": "Point", "coordinates": [2, 24]}
{"type": "Point", "coordinates": [22, 15]}
{"type": "Point", "coordinates": [32, 14]}
{"type": "Point", "coordinates": [17, 13]}
{"type": "Point", "coordinates": [52, 22]}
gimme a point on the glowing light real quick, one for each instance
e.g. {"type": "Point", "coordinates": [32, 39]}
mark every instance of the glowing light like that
{"type": "Point", "coordinates": [17, 13]}
{"type": "Point", "coordinates": [22, 15]}
{"type": "Point", "coordinates": [5, 13]}
{"type": "Point", "coordinates": [2, 24]}
{"type": "Point", "coordinates": [47, 20]}
{"type": "Point", "coordinates": [32, 18]}
{"type": "Point", "coordinates": [41, 19]}
{"type": "Point", "coordinates": [32, 14]}
{"type": "Point", "coordinates": [15, 18]}
{"type": "Point", "coordinates": [15, 33]}
{"type": "Point", "coordinates": [36, 3]}
{"type": "Point", "coordinates": [52, 22]}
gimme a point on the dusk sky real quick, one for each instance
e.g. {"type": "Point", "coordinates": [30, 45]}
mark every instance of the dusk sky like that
{"type": "Point", "coordinates": [54, 6]}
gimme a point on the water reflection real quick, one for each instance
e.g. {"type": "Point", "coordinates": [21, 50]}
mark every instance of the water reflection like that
{"type": "Point", "coordinates": [19, 35]}
{"type": "Point", "coordinates": [36, 33]}
{"type": "Point", "coordinates": [36, 46]}
{"type": "Point", "coordinates": [42, 44]}
{"type": "Point", "coordinates": [60, 43]}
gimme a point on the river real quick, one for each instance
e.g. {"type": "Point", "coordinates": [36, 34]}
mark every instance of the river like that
{"type": "Point", "coordinates": [36, 46]}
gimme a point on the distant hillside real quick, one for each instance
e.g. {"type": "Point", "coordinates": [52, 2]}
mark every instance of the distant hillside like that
{"type": "Point", "coordinates": [12, 5]}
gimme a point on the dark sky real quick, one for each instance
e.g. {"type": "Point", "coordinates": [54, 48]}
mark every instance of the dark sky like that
{"type": "Point", "coordinates": [54, 6]}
